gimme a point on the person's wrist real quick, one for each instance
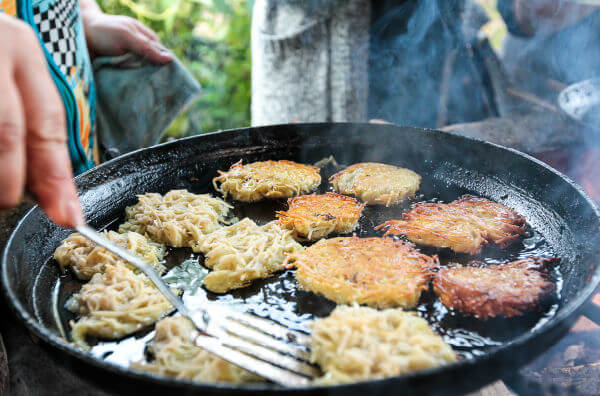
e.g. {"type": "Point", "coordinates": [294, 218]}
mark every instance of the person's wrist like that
{"type": "Point", "coordinates": [89, 15]}
{"type": "Point", "coordinates": [89, 11]}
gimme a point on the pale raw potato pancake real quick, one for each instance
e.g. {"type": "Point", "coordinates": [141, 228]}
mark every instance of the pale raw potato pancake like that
{"type": "Point", "coordinates": [463, 225]}
{"type": "Point", "coordinates": [359, 343]}
{"type": "Point", "coordinates": [378, 272]}
{"type": "Point", "coordinates": [86, 258]}
{"type": "Point", "coordinates": [487, 291]}
{"type": "Point", "coordinates": [377, 184]}
{"type": "Point", "coordinates": [178, 219]}
{"type": "Point", "coordinates": [267, 179]}
{"type": "Point", "coordinates": [115, 303]}
{"type": "Point", "coordinates": [175, 355]}
{"type": "Point", "coordinates": [243, 252]}
{"type": "Point", "coordinates": [314, 216]}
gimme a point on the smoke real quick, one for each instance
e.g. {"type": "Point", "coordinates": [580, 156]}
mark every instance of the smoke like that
{"type": "Point", "coordinates": [430, 66]}
{"type": "Point", "coordinates": [548, 60]}
{"type": "Point", "coordinates": [563, 49]}
{"type": "Point", "coordinates": [427, 60]}
{"type": "Point", "coordinates": [425, 68]}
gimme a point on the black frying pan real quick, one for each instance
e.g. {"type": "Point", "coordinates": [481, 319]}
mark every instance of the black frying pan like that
{"type": "Point", "coordinates": [557, 209]}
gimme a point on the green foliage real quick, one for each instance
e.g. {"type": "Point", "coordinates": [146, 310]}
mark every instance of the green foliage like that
{"type": "Point", "coordinates": [495, 29]}
{"type": "Point", "coordinates": [212, 39]}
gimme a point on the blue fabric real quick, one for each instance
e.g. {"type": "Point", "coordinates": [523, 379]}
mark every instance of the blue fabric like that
{"type": "Point", "coordinates": [78, 98]}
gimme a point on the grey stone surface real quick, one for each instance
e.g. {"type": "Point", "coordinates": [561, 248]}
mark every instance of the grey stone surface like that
{"type": "Point", "coordinates": [534, 131]}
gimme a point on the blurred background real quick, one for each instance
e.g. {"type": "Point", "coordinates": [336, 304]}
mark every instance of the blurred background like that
{"type": "Point", "coordinates": [212, 39]}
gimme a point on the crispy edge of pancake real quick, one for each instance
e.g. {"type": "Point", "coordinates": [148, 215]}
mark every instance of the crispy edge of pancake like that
{"type": "Point", "coordinates": [373, 196]}
{"type": "Point", "coordinates": [454, 230]}
{"type": "Point", "coordinates": [265, 188]}
{"type": "Point", "coordinates": [312, 275]}
{"type": "Point", "coordinates": [490, 300]}
{"type": "Point", "coordinates": [315, 216]}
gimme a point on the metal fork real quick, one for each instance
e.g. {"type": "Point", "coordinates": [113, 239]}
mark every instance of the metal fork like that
{"type": "Point", "coordinates": [258, 345]}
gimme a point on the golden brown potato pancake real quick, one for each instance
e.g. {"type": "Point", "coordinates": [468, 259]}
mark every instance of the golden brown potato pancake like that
{"type": "Point", "coordinates": [495, 290]}
{"type": "Point", "coordinates": [378, 272]}
{"type": "Point", "coordinates": [376, 184]}
{"type": "Point", "coordinates": [314, 216]}
{"type": "Point", "coordinates": [359, 343]}
{"type": "Point", "coordinates": [463, 225]}
{"type": "Point", "coordinates": [267, 179]}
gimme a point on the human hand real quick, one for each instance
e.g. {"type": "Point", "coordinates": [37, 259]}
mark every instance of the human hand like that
{"type": "Point", "coordinates": [109, 35]}
{"type": "Point", "coordinates": [33, 131]}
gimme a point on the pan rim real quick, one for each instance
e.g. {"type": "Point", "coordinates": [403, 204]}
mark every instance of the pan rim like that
{"type": "Point", "coordinates": [55, 341]}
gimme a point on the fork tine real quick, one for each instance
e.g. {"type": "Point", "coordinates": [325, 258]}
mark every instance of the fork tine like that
{"type": "Point", "coordinates": [270, 327]}
{"type": "Point", "coordinates": [268, 341]}
{"type": "Point", "coordinates": [271, 356]}
{"type": "Point", "coordinates": [266, 361]}
{"type": "Point", "coordinates": [252, 364]}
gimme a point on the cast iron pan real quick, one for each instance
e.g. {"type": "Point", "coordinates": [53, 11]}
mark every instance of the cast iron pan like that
{"type": "Point", "coordinates": [557, 211]}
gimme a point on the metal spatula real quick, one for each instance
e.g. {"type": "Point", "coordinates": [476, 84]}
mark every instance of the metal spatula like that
{"type": "Point", "coordinates": [258, 345]}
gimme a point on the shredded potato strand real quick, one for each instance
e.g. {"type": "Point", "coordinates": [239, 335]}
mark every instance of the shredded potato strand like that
{"type": "Point", "coordinates": [359, 343]}
{"type": "Point", "coordinates": [377, 184]}
{"type": "Point", "coordinates": [86, 258]}
{"type": "Point", "coordinates": [378, 272]}
{"type": "Point", "coordinates": [179, 218]}
{"type": "Point", "coordinates": [315, 216]}
{"type": "Point", "coordinates": [267, 179]}
{"type": "Point", "coordinates": [463, 225]}
{"type": "Point", "coordinates": [175, 355]}
{"type": "Point", "coordinates": [115, 303]}
{"type": "Point", "coordinates": [243, 252]}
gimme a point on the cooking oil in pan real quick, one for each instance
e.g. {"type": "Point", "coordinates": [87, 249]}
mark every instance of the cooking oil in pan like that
{"type": "Point", "coordinates": [280, 299]}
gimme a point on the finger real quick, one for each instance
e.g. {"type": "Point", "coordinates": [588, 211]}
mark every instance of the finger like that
{"type": "Point", "coordinates": [12, 143]}
{"type": "Point", "coordinates": [146, 31]}
{"type": "Point", "coordinates": [49, 173]}
{"type": "Point", "coordinates": [151, 50]}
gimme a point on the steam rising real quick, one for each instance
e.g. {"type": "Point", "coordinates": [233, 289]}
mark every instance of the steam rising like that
{"type": "Point", "coordinates": [430, 66]}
